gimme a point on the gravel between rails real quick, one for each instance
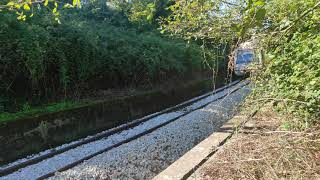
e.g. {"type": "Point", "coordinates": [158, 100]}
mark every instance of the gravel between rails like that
{"type": "Point", "coordinates": [146, 156]}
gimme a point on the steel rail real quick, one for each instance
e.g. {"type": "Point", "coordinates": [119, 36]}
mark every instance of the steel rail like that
{"type": "Point", "coordinates": [75, 163]}
{"type": "Point", "coordinates": [8, 170]}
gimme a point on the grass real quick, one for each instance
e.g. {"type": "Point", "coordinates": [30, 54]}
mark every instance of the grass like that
{"type": "Point", "coordinates": [28, 111]}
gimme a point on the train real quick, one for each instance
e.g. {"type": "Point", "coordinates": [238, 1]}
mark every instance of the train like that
{"type": "Point", "coordinates": [247, 58]}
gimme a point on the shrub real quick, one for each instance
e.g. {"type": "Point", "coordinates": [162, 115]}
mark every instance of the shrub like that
{"type": "Point", "coordinates": [41, 59]}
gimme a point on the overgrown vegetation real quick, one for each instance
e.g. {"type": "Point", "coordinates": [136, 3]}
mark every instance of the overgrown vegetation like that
{"type": "Point", "coordinates": [44, 60]}
{"type": "Point", "coordinates": [282, 140]}
{"type": "Point", "coordinates": [288, 31]}
{"type": "Point", "coordinates": [293, 71]}
{"type": "Point", "coordinates": [58, 53]}
{"type": "Point", "coordinates": [29, 111]}
{"type": "Point", "coordinates": [121, 46]}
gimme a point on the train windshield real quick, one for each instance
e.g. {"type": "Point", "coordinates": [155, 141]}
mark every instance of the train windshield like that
{"type": "Point", "coordinates": [244, 57]}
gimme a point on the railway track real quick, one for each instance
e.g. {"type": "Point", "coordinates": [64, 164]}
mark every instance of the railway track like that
{"type": "Point", "coordinates": [233, 87]}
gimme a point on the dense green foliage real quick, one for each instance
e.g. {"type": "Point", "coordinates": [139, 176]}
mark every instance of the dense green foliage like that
{"type": "Point", "coordinates": [293, 71]}
{"type": "Point", "coordinates": [24, 9]}
{"type": "Point", "coordinates": [289, 32]}
{"type": "Point", "coordinates": [294, 74]}
{"type": "Point", "coordinates": [41, 57]}
{"type": "Point", "coordinates": [93, 47]}
{"type": "Point", "coordinates": [28, 111]}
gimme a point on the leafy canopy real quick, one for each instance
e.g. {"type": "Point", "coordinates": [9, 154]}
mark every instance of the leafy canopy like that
{"type": "Point", "coordinates": [27, 8]}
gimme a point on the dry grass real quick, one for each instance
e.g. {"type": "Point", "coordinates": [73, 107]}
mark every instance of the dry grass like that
{"type": "Point", "coordinates": [261, 150]}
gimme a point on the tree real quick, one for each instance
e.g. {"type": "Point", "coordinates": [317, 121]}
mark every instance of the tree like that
{"type": "Point", "coordinates": [26, 8]}
{"type": "Point", "coordinates": [217, 19]}
{"type": "Point", "coordinates": [143, 13]}
{"type": "Point", "coordinates": [287, 29]}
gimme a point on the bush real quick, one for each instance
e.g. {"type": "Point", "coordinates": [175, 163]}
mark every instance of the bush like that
{"type": "Point", "coordinates": [41, 59]}
{"type": "Point", "coordinates": [295, 75]}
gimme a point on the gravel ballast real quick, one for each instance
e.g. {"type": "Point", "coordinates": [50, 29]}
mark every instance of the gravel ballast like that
{"type": "Point", "coordinates": [146, 156]}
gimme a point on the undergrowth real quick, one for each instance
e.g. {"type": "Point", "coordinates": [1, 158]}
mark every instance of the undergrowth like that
{"type": "Point", "coordinates": [94, 47]}
{"type": "Point", "coordinates": [28, 111]}
{"type": "Point", "coordinates": [291, 79]}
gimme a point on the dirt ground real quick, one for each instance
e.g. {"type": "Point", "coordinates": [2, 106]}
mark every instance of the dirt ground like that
{"type": "Point", "coordinates": [263, 149]}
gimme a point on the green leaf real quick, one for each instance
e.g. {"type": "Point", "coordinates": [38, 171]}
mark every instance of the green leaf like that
{"type": "Point", "coordinates": [68, 6]}
{"type": "Point", "coordinates": [74, 2]}
{"type": "Point", "coordinates": [26, 7]}
{"type": "Point", "coordinates": [21, 16]}
{"type": "Point", "coordinates": [313, 82]}
{"type": "Point", "coordinates": [10, 3]}
{"type": "Point", "coordinates": [18, 6]}
{"type": "Point", "coordinates": [259, 3]}
{"type": "Point", "coordinates": [261, 13]}
{"type": "Point", "coordinates": [250, 2]}
{"type": "Point", "coordinates": [46, 2]}
{"type": "Point", "coordinates": [150, 17]}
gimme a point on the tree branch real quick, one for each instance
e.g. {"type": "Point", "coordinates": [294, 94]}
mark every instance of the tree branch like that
{"type": "Point", "coordinates": [302, 16]}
